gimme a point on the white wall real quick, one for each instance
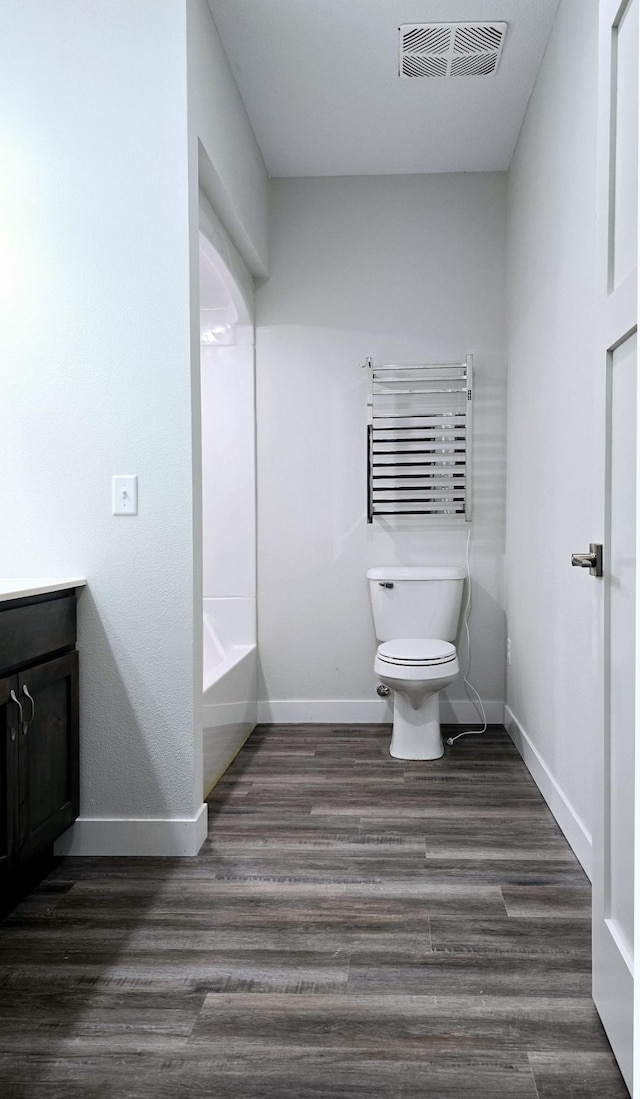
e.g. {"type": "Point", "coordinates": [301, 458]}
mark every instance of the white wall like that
{"type": "Point", "coordinates": [550, 461]}
{"type": "Point", "coordinates": [231, 168]}
{"type": "Point", "coordinates": [102, 134]}
{"type": "Point", "coordinates": [95, 358]}
{"type": "Point", "coordinates": [403, 268]}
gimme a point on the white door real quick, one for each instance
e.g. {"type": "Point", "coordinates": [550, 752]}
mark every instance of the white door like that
{"type": "Point", "coordinates": [617, 819]}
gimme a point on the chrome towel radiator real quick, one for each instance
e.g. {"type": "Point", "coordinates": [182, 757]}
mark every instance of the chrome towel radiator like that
{"type": "Point", "coordinates": [419, 431]}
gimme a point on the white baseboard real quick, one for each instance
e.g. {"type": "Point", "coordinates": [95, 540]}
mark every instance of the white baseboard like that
{"type": "Point", "coordinates": [134, 837]}
{"type": "Point", "coordinates": [462, 712]}
{"type": "Point", "coordinates": [297, 711]}
{"type": "Point", "coordinates": [355, 711]}
{"type": "Point", "coordinates": [574, 829]}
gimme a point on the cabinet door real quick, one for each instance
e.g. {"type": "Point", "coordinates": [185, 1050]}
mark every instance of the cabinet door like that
{"type": "Point", "coordinates": [9, 722]}
{"type": "Point", "coordinates": [49, 773]}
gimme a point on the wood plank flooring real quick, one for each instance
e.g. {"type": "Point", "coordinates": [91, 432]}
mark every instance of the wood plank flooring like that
{"type": "Point", "coordinates": [355, 927]}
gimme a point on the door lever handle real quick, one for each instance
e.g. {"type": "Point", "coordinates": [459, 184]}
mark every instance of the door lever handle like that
{"type": "Point", "coordinates": [591, 560]}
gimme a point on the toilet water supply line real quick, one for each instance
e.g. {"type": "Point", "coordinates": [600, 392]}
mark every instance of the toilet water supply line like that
{"type": "Point", "coordinates": [465, 675]}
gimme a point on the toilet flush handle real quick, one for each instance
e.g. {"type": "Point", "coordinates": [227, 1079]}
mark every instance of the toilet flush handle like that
{"type": "Point", "coordinates": [385, 584]}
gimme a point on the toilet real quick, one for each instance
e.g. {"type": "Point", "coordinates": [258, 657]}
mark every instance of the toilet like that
{"type": "Point", "coordinates": [416, 613]}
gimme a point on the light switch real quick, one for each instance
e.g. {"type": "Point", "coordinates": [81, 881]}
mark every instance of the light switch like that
{"type": "Point", "coordinates": [124, 495]}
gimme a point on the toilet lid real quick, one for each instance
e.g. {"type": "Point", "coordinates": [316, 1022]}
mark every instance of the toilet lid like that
{"type": "Point", "coordinates": [420, 650]}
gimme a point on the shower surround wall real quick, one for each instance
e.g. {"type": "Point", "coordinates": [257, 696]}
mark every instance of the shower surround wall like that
{"type": "Point", "coordinates": [407, 269]}
{"type": "Point", "coordinates": [229, 554]}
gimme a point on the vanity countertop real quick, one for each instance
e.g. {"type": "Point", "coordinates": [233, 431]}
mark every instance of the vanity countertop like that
{"type": "Point", "coordinates": [20, 588]}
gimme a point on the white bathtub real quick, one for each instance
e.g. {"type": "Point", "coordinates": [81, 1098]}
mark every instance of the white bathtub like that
{"type": "Point", "coordinates": [230, 671]}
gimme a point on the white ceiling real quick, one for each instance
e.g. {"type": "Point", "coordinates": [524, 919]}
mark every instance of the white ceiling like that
{"type": "Point", "coordinates": [319, 79]}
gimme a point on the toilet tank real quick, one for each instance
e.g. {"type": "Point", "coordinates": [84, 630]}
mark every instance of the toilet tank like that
{"type": "Point", "coordinates": [409, 601]}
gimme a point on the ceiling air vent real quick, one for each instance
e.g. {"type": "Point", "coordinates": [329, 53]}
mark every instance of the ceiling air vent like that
{"type": "Point", "coordinates": [450, 49]}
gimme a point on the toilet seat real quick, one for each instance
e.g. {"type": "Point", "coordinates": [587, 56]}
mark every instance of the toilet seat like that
{"type": "Point", "coordinates": [416, 652]}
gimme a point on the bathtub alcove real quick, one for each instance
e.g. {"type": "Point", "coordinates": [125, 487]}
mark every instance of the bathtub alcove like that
{"type": "Point", "coordinates": [228, 504]}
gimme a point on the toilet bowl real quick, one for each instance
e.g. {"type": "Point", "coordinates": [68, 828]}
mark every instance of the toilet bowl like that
{"type": "Point", "coordinates": [416, 612]}
{"type": "Point", "coordinates": [416, 669]}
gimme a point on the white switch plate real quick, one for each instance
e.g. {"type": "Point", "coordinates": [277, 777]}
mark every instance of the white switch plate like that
{"type": "Point", "coordinates": [124, 495]}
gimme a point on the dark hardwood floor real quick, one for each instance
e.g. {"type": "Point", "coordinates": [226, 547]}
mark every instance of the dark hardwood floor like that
{"type": "Point", "coordinates": [355, 926]}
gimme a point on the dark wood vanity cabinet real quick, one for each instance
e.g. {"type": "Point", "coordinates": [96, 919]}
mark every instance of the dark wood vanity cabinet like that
{"type": "Point", "coordinates": [39, 730]}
